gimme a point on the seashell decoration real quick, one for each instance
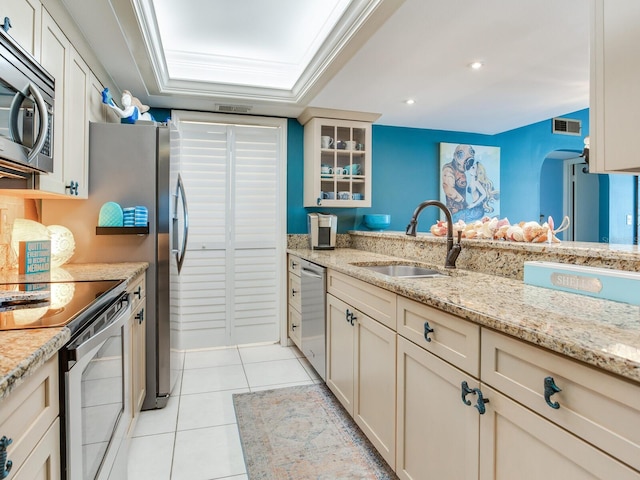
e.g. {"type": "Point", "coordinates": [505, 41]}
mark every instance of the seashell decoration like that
{"type": "Point", "coordinates": [502, 229]}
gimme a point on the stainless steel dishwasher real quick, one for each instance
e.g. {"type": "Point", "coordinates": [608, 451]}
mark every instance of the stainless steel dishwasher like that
{"type": "Point", "coordinates": [313, 329]}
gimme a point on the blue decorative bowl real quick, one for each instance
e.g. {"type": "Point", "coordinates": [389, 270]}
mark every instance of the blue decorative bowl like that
{"type": "Point", "coordinates": [377, 221]}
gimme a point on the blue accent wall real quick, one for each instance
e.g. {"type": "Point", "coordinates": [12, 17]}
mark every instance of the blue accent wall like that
{"type": "Point", "coordinates": [522, 152]}
{"type": "Point", "coordinates": [405, 164]}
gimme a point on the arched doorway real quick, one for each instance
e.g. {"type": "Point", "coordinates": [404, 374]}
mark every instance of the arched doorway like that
{"type": "Point", "coordinates": [567, 190]}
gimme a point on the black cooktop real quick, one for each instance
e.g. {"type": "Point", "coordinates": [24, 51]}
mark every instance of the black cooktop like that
{"type": "Point", "coordinates": [55, 304]}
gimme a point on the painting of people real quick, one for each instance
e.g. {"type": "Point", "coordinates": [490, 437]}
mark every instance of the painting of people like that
{"type": "Point", "coordinates": [470, 181]}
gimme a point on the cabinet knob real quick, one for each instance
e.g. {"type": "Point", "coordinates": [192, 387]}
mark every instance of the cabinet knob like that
{"type": "Point", "coordinates": [293, 292]}
{"type": "Point", "coordinates": [550, 388]}
{"type": "Point", "coordinates": [5, 465]}
{"type": "Point", "coordinates": [140, 316]}
{"type": "Point", "coordinates": [6, 26]}
{"type": "Point", "coordinates": [138, 292]}
{"type": "Point", "coordinates": [427, 331]}
{"type": "Point", "coordinates": [293, 326]}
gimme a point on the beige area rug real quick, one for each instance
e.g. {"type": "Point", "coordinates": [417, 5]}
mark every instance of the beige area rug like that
{"type": "Point", "coordinates": [301, 433]}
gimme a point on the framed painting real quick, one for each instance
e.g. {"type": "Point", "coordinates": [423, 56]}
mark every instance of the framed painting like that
{"type": "Point", "coordinates": [470, 181]}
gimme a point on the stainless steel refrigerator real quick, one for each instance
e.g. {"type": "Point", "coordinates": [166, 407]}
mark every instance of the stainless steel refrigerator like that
{"type": "Point", "coordinates": [129, 165]}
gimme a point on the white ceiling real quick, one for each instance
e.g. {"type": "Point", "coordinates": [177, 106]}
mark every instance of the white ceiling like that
{"type": "Point", "coordinates": [378, 54]}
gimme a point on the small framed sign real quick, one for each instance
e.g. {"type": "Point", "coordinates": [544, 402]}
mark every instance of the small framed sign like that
{"type": "Point", "coordinates": [34, 257]}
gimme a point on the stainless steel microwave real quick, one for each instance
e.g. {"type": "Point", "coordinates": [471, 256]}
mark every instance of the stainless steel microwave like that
{"type": "Point", "coordinates": [27, 93]}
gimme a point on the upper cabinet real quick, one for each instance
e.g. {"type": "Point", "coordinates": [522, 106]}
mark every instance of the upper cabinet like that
{"type": "Point", "coordinates": [24, 18]}
{"type": "Point", "coordinates": [615, 86]}
{"type": "Point", "coordinates": [77, 92]}
{"type": "Point", "coordinates": [337, 158]}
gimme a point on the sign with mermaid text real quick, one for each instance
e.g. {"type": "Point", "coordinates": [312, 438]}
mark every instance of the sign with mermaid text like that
{"type": "Point", "coordinates": [470, 181]}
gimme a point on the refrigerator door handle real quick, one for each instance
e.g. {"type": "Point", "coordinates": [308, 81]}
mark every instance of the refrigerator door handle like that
{"type": "Point", "coordinates": [185, 233]}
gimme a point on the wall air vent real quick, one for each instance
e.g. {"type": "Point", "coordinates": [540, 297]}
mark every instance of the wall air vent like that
{"type": "Point", "coordinates": [567, 126]}
{"type": "Point", "coordinates": [233, 108]}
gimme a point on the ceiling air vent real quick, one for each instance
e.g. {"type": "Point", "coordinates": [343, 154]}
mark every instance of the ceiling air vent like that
{"type": "Point", "coordinates": [233, 108]}
{"type": "Point", "coordinates": [567, 126]}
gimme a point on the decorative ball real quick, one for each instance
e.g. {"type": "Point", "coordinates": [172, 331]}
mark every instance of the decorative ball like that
{"type": "Point", "coordinates": [63, 245]}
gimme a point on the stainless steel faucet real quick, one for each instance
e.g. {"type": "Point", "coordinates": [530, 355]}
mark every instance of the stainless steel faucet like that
{"type": "Point", "coordinates": [452, 250]}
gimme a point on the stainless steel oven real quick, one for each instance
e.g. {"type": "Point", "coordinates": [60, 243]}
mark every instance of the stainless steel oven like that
{"type": "Point", "coordinates": [94, 368]}
{"type": "Point", "coordinates": [95, 393]}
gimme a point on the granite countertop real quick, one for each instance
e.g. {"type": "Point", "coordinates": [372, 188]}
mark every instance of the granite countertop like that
{"type": "Point", "coordinates": [601, 333]}
{"type": "Point", "coordinates": [23, 351]}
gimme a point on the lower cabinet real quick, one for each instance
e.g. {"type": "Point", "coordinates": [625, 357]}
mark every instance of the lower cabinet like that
{"type": "Point", "coordinates": [437, 432]}
{"type": "Point", "coordinates": [293, 298]}
{"type": "Point", "coordinates": [29, 419]}
{"type": "Point", "coordinates": [444, 398]}
{"type": "Point", "coordinates": [361, 372]}
{"type": "Point", "coordinates": [137, 325]}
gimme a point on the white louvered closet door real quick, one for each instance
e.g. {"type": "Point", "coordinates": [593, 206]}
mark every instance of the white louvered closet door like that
{"type": "Point", "coordinates": [229, 287]}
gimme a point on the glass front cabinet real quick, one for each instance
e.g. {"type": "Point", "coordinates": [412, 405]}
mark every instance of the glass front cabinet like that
{"type": "Point", "coordinates": [337, 163]}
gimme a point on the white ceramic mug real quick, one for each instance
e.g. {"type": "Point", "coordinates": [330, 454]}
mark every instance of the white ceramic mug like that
{"type": "Point", "coordinates": [338, 171]}
{"type": "Point", "coordinates": [350, 145]}
{"type": "Point", "coordinates": [326, 142]}
{"type": "Point", "coordinates": [324, 169]}
{"type": "Point", "coordinates": [344, 195]}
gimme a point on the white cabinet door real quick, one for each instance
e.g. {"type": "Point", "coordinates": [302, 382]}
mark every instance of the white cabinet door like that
{"type": "Point", "coordinates": [375, 384]}
{"type": "Point", "coordinates": [615, 89]}
{"type": "Point", "coordinates": [24, 16]}
{"type": "Point", "coordinates": [340, 352]}
{"type": "Point", "coordinates": [517, 443]}
{"type": "Point", "coordinates": [55, 55]}
{"type": "Point", "coordinates": [76, 134]}
{"type": "Point", "coordinates": [438, 435]}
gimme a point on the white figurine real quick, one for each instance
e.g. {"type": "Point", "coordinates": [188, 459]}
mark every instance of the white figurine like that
{"type": "Point", "coordinates": [132, 109]}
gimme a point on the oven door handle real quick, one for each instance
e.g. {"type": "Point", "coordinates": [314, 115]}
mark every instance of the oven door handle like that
{"type": "Point", "coordinates": [79, 351]}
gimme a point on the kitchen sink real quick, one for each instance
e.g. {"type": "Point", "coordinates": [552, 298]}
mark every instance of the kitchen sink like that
{"type": "Point", "coordinates": [402, 270]}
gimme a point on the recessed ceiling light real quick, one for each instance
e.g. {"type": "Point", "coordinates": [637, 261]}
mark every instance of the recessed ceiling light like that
{"type": "Point", "coordinates": [476, 65]}
{"type": "Point", "coordinates": [410, 101]}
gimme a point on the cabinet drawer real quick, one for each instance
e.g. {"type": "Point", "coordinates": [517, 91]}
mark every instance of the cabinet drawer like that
{"type": "Point", "coordinates": [295, 323]}
{"type": "Point", "coordinates": [294, 264]}
{"type": "Point", "coordinates": [137, 291]}
{"type": "Point", "coordinates": [29, 411]}
{"type": "Point", "coordinates": [453, 339]}
{"type": "Point", "coordinates": [373, 301]}
{"type": "Point", "coordinates": [294, 292]}
{"type": "Point", "coordinates": [597, 407]}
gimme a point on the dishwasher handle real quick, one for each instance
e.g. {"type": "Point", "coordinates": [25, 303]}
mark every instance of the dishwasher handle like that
{"type": "Point", "coordinates": [308, 272]}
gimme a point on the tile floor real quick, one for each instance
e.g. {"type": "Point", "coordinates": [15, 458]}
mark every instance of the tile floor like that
{"type": "Point", "coordinates": [195, 437]}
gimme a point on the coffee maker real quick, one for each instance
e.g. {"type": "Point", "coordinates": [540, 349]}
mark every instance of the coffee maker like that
{"type": "Point", "coordinates": [322, 231]}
